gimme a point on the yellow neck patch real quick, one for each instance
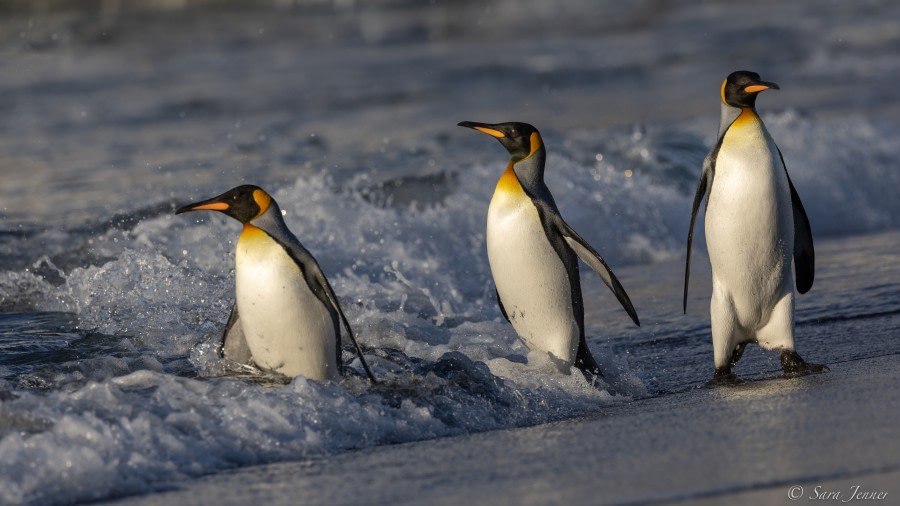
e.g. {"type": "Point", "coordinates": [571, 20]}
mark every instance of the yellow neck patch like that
{"type": "Point", "coordinates": [251, 232]}
{"type": "Point", "coordinates": [508, 183]}
{"type": "Point", "coordinates": [746, 117]}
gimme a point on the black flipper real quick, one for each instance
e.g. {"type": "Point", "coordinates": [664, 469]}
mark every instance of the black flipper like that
{"type": "Point", "coordinates": [569, 246]}
{"type": "Point", "coordinates": [596, 262]}
{"type": "Point", "coordinates": [500, 303]}
{"type": "Point", "coordinates": [332, 298]}
{"type": "Point", "coordinates": [234, 344]}
{"type": "Point", "coordinates": [706, 177]}
{"type": "Point", "coordinates": [804, 254]}
{"type": "Point", "coordinates": [554, 225]}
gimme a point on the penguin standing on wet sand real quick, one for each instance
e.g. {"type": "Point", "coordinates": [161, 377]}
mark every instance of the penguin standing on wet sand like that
{"type": "Point", "coordinates": [756, 230]}
{"type": "Point", "coordinates": [286, 318]}
{"type": "Point", "coordinates": [532, 252]}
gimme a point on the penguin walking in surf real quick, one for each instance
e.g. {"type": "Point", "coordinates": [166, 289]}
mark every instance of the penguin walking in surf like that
{"type": "Point", "coordinates": [286, 318]}
{"type": "Point", "coordinates": [757, 233]}
{"type": "Point", "coordinates": [533, 254]}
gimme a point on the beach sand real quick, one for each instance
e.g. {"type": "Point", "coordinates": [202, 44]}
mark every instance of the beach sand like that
{"type": "Point", "coordinates": [748, 444]}
{"type": "Point", "coordinates": [745, 444]}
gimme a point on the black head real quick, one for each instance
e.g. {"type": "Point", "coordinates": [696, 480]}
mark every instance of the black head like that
{"type": "Point", "coordinates": [242, 203]}
{"type": "Point", "coordinates": [740, 88]}
{"type": "Point", "coordinates": [520, 139]}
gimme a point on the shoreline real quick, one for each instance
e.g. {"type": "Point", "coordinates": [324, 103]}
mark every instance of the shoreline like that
{"type": "Point", "coordinates": [749, 443]}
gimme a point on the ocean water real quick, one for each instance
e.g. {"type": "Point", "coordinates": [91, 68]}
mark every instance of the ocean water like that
{"type": "Point", "coordinates": [111, 307]}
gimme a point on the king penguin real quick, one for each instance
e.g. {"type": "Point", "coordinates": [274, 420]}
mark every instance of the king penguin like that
{"type": "Point", "coordinates": [286, 317]}
{"type": "Point", "coordinates": [757, 232]}
{"type": "Point", "coordinates": [533, 254]}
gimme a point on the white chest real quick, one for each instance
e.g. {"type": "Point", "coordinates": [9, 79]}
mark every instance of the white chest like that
{"type": "Point", "coordinates": [749, 202]}
{"type": "Point", "coordinates": [288, 329]}
{"type": "Point", "coordinates": [530, 277]}
{"type": "Point", "coordinates": [749, 220]}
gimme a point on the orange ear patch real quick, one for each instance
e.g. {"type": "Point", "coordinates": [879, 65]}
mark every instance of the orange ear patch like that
{"type": "Point", "coordinates": [263, 200]}
{"type": "Point", "coordinates": [536, 143]}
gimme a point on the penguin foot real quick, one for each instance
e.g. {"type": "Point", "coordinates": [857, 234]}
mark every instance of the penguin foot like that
{"type": "Point", "coordinates": [595, 378]}
{"type": "Point", "coordinates": [723, 377]}
{"type": "Point", "coordinates": [795, 366]}
{"type": "Point", "coordinates": [590, 372]}
{"type": "Point", "coordinates": [586, 363]}
{"type": "Point", "coordinates": [588, 366]}
{"type": "Point", "coordinates": [594, 375]}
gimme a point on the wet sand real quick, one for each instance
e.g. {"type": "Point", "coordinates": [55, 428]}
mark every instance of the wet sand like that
{"type": "Point", "coordinates": [747, 444]}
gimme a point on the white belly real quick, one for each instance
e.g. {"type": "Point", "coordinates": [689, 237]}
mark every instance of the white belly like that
{"type": "Point", "coordinates": [288, 330]}
{"type": "Point", "coordinates": [749, 225]}
{"type": "Point", "coordinates": [530, 278]}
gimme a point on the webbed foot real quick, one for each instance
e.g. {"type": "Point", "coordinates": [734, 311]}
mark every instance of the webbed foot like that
{"type": "Point", "coordinates": [794, 366]}
{"type": "Point", "coordinates": [724, 377]}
